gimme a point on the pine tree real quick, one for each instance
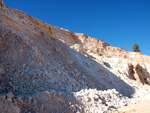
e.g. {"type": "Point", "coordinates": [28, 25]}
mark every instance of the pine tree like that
{"type": "Point", "coordinates": [136, 48]}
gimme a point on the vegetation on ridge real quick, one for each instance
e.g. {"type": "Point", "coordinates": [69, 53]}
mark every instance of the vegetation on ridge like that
{"type": "Point", "coordinates": [136, 48]}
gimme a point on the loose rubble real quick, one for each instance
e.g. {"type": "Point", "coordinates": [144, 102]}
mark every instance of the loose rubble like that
{"type": "Point", "coordinates": [95, 101]}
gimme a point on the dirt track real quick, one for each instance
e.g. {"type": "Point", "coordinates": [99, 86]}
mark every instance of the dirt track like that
{"type": "Point", "coordinates": [142, 106]}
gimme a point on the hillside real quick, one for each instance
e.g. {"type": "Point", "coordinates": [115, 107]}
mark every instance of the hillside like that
{"type": "Point", "coordinates": [49, 69]}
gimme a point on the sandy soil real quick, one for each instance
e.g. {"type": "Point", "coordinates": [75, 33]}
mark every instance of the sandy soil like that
{"type": "Point", "coordinates": [142, 106]}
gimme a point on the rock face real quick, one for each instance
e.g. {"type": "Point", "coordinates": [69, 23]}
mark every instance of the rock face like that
{"type": "Point", "coordinates": [44, 66]}
{"type": "Point", "coordinates": [141, 75]}
{"type": "Point", "coordinates": [1, 3]}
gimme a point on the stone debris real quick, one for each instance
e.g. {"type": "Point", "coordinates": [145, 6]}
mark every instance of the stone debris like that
{"type": "Point", "coordinates": [95, 101]}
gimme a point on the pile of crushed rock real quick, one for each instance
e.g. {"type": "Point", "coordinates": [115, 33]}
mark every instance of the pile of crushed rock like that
{"type": "Point", "coordinates": [85, 101]}
{"type": "Point", "coordinates": [101, 101]}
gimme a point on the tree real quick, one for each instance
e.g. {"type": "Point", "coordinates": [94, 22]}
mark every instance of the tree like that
{"type": "Point", "coordinates": [136, 48]}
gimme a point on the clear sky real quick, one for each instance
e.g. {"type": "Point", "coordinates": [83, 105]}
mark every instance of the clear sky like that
{"type": "Point", "coordinates": [120, 23]}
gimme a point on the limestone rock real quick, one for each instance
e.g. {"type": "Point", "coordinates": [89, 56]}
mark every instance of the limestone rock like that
{"type": "Point", "coordinates": [10, 95]}
{"type": "Point", "coordinates": [7, 106]}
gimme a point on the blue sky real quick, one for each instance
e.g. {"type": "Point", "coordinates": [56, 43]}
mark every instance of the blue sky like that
{"type": "Point", "coordinates": [120, 23]}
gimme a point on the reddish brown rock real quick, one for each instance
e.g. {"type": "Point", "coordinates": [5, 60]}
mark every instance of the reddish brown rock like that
{"type": "Point", "coordinates": [1, 3]}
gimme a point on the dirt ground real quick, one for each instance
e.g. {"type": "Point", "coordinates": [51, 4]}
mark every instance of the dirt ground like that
{"type": "Point", "coordinates": [142, 106]}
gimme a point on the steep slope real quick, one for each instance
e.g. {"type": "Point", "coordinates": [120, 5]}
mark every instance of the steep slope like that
{"type": "Point", "coordinates": [41, 64]}
{"type": "Point", "coordinates": [26, 54]}
{"type": "Point", "coordinates": [31, 27]}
